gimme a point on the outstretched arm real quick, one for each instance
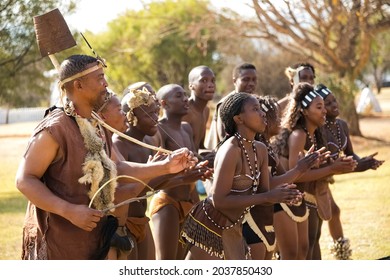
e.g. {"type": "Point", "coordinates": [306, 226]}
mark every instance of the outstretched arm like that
{"type": "Point", "coordinates": [364, 163]}
{"type": "Point", "coordinates": [293, 174]}
{"type": "Point", "coordinates": [296, 143]}
{"type": "Point", "coordinates": [177, 161]}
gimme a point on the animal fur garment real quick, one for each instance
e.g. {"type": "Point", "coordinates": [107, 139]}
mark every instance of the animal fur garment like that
{"type": "Point", "coordinates": [98, 168]}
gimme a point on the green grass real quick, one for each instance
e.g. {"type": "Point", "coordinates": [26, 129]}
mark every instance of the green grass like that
{"type": "Point", "coordinates": [364, 200]}
{"type": "Point", "coordinates": [12, 203]}
{"type": "Point", "coordinates": [365, 210]}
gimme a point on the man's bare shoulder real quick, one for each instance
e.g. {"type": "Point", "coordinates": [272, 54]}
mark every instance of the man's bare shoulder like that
{"type": "Point", "coordinates": [185, 126]}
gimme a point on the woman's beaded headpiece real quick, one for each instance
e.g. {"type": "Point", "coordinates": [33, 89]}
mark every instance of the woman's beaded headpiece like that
{"type": "Point", "coordinates": [308, 98]}
{"type": "Point", "coordinates": [136, 98]}
{"type": "Point", "coordinates": [322, 90]}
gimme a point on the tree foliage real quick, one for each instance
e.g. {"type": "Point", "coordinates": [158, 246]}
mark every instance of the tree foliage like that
{"type": "Point", "coordinates": [159, 44]}
{"type": "Point", "coordinates": [335, 35]}
{"type": "Point", "coordinates": [22, 82]}
{"type": "Point", "coordinates": [379, 62]}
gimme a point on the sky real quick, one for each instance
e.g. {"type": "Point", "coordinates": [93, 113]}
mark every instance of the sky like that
{"type": "Point", "coordinates": [94, 15]}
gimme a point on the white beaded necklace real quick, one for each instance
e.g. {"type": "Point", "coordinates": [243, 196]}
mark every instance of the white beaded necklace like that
{"type": "Point", "coordinates": [254, 172]}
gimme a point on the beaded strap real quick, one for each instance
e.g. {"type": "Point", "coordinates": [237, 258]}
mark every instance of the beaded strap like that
{"type": "Point", "coordinates": [223, 227]}
{"type": "Point", "coordinates": [338, 136]}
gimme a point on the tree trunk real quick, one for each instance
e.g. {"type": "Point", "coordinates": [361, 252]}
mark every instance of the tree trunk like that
{"type": "Point", "coordinates": [350, 115]}
{"type": "Point", "coordinates": [346, 100]}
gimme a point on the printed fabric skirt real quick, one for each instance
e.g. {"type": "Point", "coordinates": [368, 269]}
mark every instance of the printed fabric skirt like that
{"type": "Point", "coordinates": [208, 229]}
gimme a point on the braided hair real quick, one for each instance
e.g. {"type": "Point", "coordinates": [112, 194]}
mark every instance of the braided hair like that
{"type": "Point", "coordinates": [232, 106]}
{"type": "Point", "coordinates": [270, 106]}
{"type": "Point", "coordinates": [74, 65]}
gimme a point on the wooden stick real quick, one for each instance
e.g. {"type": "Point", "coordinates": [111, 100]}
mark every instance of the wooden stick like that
{"type": "Point", "coordinates": [54, 61]}
{"type": "Point", "coordinates": [130, 200]}
{"type": "Point", "coordinates": [116, 178]}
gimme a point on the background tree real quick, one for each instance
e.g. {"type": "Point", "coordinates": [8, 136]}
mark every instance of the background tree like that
{"type": "Point", "coordinates": [22, 80]}
{"type": "Point", "coordinates": [158, 44]}
{"type": "Point", "coordinates": [270, 64]}
{"type": "Point", "coordinates": [379, 62]}
{"type": "Point", "coordinates": [233, 49]}
{"type": "Point", "coordinates": [334, 35]}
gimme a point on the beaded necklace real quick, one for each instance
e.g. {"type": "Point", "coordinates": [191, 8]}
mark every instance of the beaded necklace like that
{"type": "Point", "coordinates": [335, 136]}
{"type": "Point", "coordinates": [313, 139]}
{"type": "Point", "coordinates": [254, 173]}
{"type": "Point", "coordinates": [255, 182]}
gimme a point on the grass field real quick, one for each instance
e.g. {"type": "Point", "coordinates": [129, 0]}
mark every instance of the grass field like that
{"type": "Point", "coordinates": [364, 198]}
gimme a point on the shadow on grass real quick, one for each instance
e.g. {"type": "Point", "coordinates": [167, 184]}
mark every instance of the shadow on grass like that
{"type": "Point", "coordinates": [14, 203]}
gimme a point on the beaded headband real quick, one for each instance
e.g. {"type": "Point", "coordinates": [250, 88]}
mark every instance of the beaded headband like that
{"type": "Point", "coordinates": [323, 91]}
{"type": "Point", "coordinates": [308, 99]}
{"type": "Point", "coordinates": [264, 107]}
{"type": "Point", "coordinates": [100, 64]}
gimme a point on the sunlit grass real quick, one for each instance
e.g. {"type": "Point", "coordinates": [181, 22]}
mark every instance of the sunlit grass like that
{"type": "Point", "coordinates": [365, 210]}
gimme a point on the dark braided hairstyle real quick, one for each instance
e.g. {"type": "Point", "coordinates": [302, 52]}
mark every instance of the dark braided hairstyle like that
{"type": "Point", "coordinates": [232, 106]}
{"type": "Point", "coordinates": [294, 119]}
{"type": "Point", "coordinates": [75, 64]}
{"type": "Point", "coordinates": [271, 112]}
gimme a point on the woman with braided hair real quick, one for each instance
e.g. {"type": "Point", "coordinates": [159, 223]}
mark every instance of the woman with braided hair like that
{"type": "Point", "coordinates": [339, 143]}
{"type": "Point", "coordinates": [262, 224]}
{"type": "Point", "coordinates": [300, 132]}
{"type": "Point", "coordinates": [213, 229]}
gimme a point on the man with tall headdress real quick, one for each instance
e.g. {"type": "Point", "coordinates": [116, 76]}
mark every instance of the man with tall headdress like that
{"type": "Point", "coordinates": [67, 159]}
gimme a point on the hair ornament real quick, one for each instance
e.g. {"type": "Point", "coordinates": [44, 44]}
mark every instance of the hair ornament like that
{"type": "Point", "coordinates": [264, 107]}
{"type": "Point", "coordinates": [322, 90]}
{"type": "Point", "coordinates": [308, 98]}
{"type": "Point", "coordinates": [137, 98]}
